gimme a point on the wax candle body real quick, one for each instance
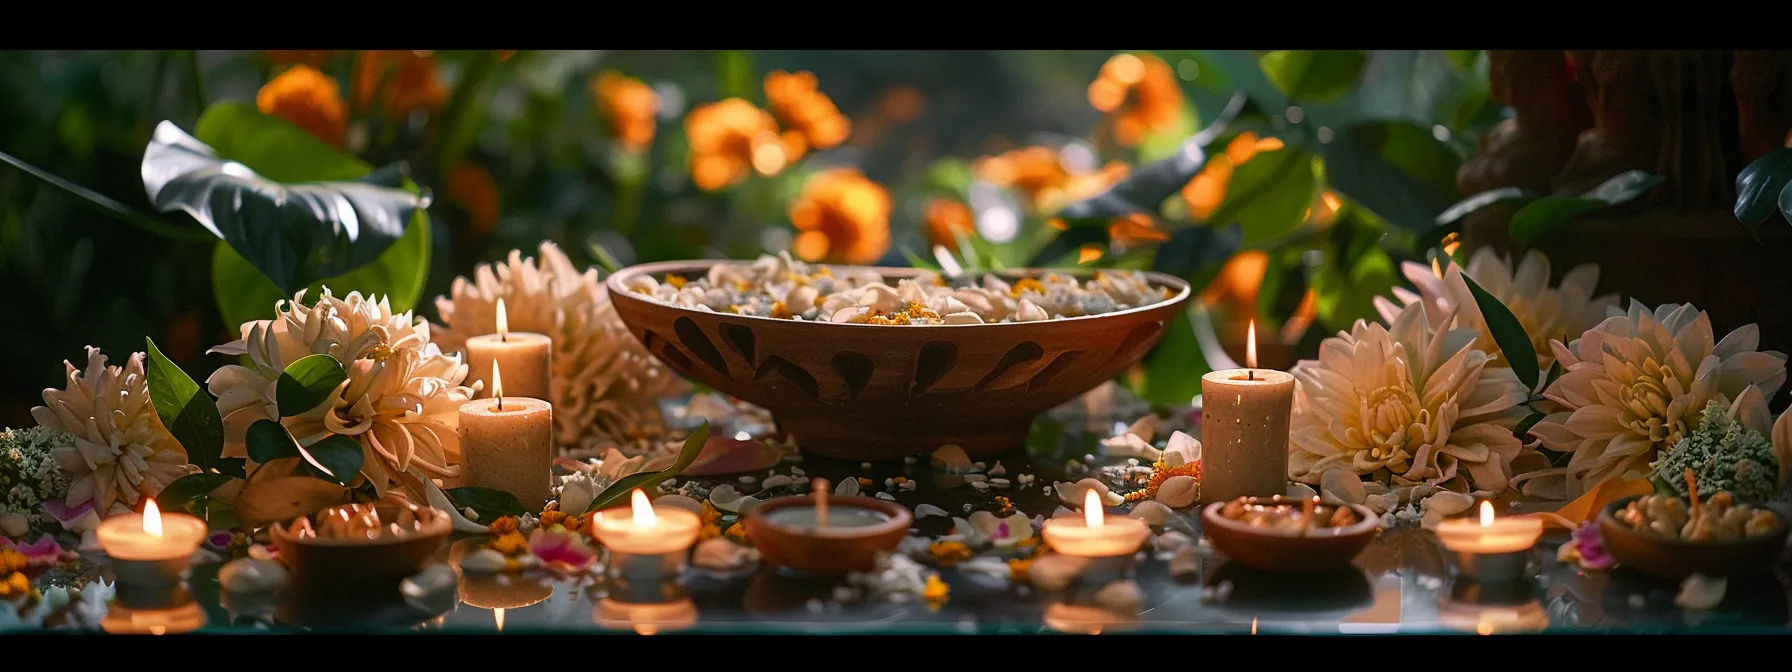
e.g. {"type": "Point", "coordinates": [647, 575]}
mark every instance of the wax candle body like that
{"type": "Point", "coordinates": [123, 537]}
{"type": "Point", "coordinates": [1244, 433]}
{"type": "Point", "coordinates": [525, 358]}
{"type": "Point", "coordinates": [803, 517]}
{"type": "Point", "coordinates": [1072, 535]}
{"type": "Point", "coordinates": [509, 448]}
{"type": "Point", "coordinates": [1510, 534]}
{"type": "Point", "coordinates": [673, 530]}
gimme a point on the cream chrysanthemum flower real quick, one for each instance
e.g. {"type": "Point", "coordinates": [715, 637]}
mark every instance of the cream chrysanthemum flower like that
{"type": "Point", "coordinates": [1547, 313]}
{"type": "Point", "coordinates": [605, 385]}
{"type": "Point", "coordinates": [121, 451]}
{"type": "Point", "coordinates": [1407, 406]}
{"type": "Point", "coordinates": [1636, 383]}
{"type": "Point", "coordinates": [401, 400]}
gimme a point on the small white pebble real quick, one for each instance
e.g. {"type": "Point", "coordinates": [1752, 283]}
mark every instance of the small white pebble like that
{"type": "Point", "coordinates": [967, 508]}
{"type": "Point", "coordinates": [1001, 483]}
{"type": "Point", "coordinates": [749, 479]}
{"type": "Point", "coordinates": [975, 478]}
{"type": "Point", "coordinates": [814, 605]}
{"type": "Point", "coordinates": [1025, 478]}
{"type": "Point", "coordinates": [1637, 601]}
{"type": "Point", "coordinates": [998, 470]}
{"type": "Point", "coordinates": [979, 466]}
{"type": "Point", "coordinates": [864, 465]}
{"type": "Point", "coordinates": [798, 472]}
{"type": "Point", "coordinates": [907, 486]}
{"type": "Point", "coordinates": [778, 481]}
{"type": "Point", "coordinates": [886, 497]}
{"type": "Point", "coordinates": [889, 482]}
{"type": "Point", "coordinates": [845, 594]}
{"type": "Point", "coordinates": [1132, 461]}
{"type": "Point", "coordinates": [926, 510]}
{"type": "Point", "coordinates": [1089, 459]}
{"type": "Point", "coordinates": [1047, 490]}
{"type": "Point", "coordinates": [910, 459]}
{"type": "Point", "coordinates": [470, 514]}
{"type": "Point", "coordinates": [980, 485]}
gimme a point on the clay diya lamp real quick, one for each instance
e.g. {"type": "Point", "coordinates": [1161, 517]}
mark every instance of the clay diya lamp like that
{"type": "Point", "coordinates": [1675, 559]}
{"type": "Point", "coordinates": [1280, 535]}
{"type": "Point", "coordinates": [1107, 545]}
{"type": "Point", "coordinates": [826, 535]}
{"type": "Point", "coordinates": [360, 544]}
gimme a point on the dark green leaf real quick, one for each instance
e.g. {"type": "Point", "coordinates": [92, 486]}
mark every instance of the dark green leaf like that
{"type": "Point", "coordinates": [1268, 195]}
{"type": "Point", "coordinates": [1463, 58]}
{"type": "Point", "coordinates": [1664, 487]}
{"type": "Point", "coordinates": [244, 294]}
{"type": "Point", "coordinates": [1174, 368]}
{"type": "Point", "coordinates": [1476, 202]}
{"type": "Point", "coordinates": [1316, 76]}
{"type": "Point", "coordinates": [1345, 291]}
{"type": "Point", "coordinates": [1514, 343]}
{"type": "Point", "coordinates": [1068, 242]}
{"type": "Point", "coordinates": [188, 413]}
{"type": "Point", "coordinates": [1397, 169]}
{"type": "Point", "coordinates": [488, 503]}
{"type": "Point", "coordinates": [268, 440]}
{"type": "Point", "coordinates": [307, 383]}
{"type": "Point", "coordinates": [184, 490]}
{"type": "Point", "coordinates": [1759, 187]}
{"type": "Point", "coordinates": [1624, 186]}
{"type": "Point", "coordinates": [1196, 253]}
{"type": "Point", "coordinates": [1144, 190]}
{"type": "Point", "coordinates": [337, 457]}
{"type": "Point", "coordinates": [619, 490]}
{"type": "Point", "coordinates": [1546, 214]}
{"type": "Point", "coordinates": [108, 206]}
{"type": "Point", "coordinates": [1786, 202]}
{"type": "Point", "coordinates": [231, 466]}
{"type": "Point", "coordinates": [1523, 429]}
{"type": "Point", "coordinates": [918, 261]}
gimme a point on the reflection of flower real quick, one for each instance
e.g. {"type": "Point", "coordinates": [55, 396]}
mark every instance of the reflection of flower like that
{"type": "Point", "coordinates": [842, 217]}
{"type": "Point", "coordinates": [811, 121]}
{"type": "Point", "coordinates": [561, 550]}
{"type": "Point", "coordinates": [30, 476]}
{"type": "Point", "coordinates": [408, 80]}
{"type": "Point", "coordinates": [629, 105]}
{"type": "Point", "coordinates": [1204, 193]}
{"type": "Point", "coordinates": [309, 99]}
{"type": "Point", "coordinates": [731, 139]}
{"type": "Point", "coordinates": [1140, 94]}
{"type": "Point", "coordinates": [604, 383]}
{"type": "Point", "coordinates": [946, 218]}
{"type": "Point", "coordinates": [1407, 404]}
{"type": "Point", "coordinates": [1635, 384]}
{"type": "Point", "coordinates": [401, 400]}
{"type": "Point", "coordinates": [1728, 452]}
{"type": "Point", "coordinates": [472, 187]}
{"type": "Point", "coordinates": [1547, 313]}
{"type": "Point", "coordinates": [120, 449]}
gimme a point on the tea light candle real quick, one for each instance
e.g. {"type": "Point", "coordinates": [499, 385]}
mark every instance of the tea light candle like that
{"type": "Point", "coordinates": [646, 619]}
{"type": "Point", "coordinates": [650, 541]}
{"type": "Point", "coordinates": [1093, 535]}
{"type": "Point", "coordinates": [150, 548]}
{"type": "Point", "coordinates": [184, 616]}
{"type": "Point", "coordinates": [1244, 430]}
{"type": "Point", "coordinates": [527, 356]}
{"type": "Point", "coordinates": [507, 443]}
{"type": "Point", "coordinates": [1491, 550]}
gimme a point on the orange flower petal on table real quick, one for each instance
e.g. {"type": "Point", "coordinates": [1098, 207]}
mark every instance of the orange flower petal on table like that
{"type": "Point", "coordinates": [1587, 507]}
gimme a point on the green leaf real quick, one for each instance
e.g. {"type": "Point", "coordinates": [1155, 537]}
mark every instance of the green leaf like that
{"type": "Point", "coordinates": [917, 261]}
{"type": "Point", "coordinates": [1663, 487]}
{"type": "Point", "coordinates": [307, 383]}
{"type": "Point", "coordinates": [189, 488]}
{"type": "Point", "coordinates": [1174, 368]}
{"type": "Point", "coordinates": [1067, 242]}
{"type": "Point", "coordinates": [1357, 270]}
{"type": "Point", "coordinates": [646, 480]}
{"type": "Point", "coordinates": [488, 503]}
{"type": "Point", "coordinates": [1486, 198]}
{"type": "Point", "coordinates": [231, 466]}
{"type": "Point", "coordinates": [337, 457]}
{"type": "Point", "coordinates": [1268, 195]}
{"type": "Point", "coordinates": [293, 233]}
{"type": "Point", "coordinates": [1397, 169]}
{"type": "Point", "coordinates": [1316, 76]}
{"type": "Point", "coordinates": [244, 294]}
{"type": "Point", "coordinates": [1624, 187]}
{"type": "Point", "coordinates": [1760, 187]}
{"type": "Point", "coordinates": [1551, 212]}
{"type": "Point", "coordinates": [189, 414]}
{"type": "Point", "coordinates": [1144, 190]}
{"type": "Point", "coordinates": [268, 440]}
{"type": "Point", "coordinates": [1463, 58]}
{"type": "Point", "coordinates": [1196, 253]}
{"type": "Point", "coordinates": [1523, 429]}
{"type": "Point", "coordinates": [1786, 202]}
{"type": "Point", "coordinates": [1514, 343]}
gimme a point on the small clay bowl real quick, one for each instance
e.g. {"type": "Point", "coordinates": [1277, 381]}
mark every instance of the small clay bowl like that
{"type": "Point", "coordinates": [388, 559]}
{"type": "Point", "coordinates": [833, 550]}
{"type": "Point", "coordinates": [1328, 548]}
{"type": "Point", "coordinates": [1676, 559]}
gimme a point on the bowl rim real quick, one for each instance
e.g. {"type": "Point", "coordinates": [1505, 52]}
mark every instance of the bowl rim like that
{"type": "Point", "coordinates": [1370, 522]}
{"type": "Point", "coordinates": [617, 288]}
{"type": "Point", "coordinates": [900, 518]}
{"type": "Point", "coordinates": [1609, 513]}
{"type": "Point", "coordinates": [438, 526]}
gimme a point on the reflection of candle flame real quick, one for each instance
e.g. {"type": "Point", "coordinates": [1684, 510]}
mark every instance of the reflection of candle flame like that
{"type": "Point", "coordinates": [152, 519]}
{"type": "Point", "coordinates": [1253, 625]}
{"type": "Point", "coordinates": [1250, 347]}
{"type": "Point", "coordinates": [503, 322]}
{"type": "Point", "coordinates": [1484, 628]}
{"type": "Point", "coordinates": [1092, 514]}
{"type": "Point", "coordinates": [1486, 513]}
{"type": "Point", "coordinates": [821, 502]}
{"type": "Point", "coordinates": [644, 517]}
{"type": "Point", "coordinates": [498, 618]}
{"type": "Point", "coordinates": [497, 385]}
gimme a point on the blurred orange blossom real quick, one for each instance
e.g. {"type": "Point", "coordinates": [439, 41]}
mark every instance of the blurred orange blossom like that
{"type": "Point", "coordinates": [472, 187]}
{"type": "Point", "coordinates": [403, 82]}
{"type": "Point", "coordinates": [309, 99]}
{"type": "Point", "coordinates": [315, 58]}
{"type": "Point", "coordinates": [841, 217]}
{"type": "Point", "coordinates": [629, 105]}
{"type": "Point", "coordinates": [1204, 193]}
{"type": "Point", "coordinates": [811, 121]}
{"type": "Point", "coordinates": [731, 139]}
{"type": "Point", "coordinates": [1139, 93]}
{"type": "Point", "coordinates": [945, 218]}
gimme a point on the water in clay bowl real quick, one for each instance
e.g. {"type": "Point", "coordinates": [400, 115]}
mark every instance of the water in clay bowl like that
{"type": "Point", "coordinates": [858, 529]}
{"type": "Point", "coordinates": [881, 392]}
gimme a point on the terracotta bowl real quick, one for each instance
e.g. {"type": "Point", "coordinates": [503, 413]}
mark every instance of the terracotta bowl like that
{"type": "Point", "coordinates": [1674, 559]}
{"type": "Point", "coordinates": [837, 550]}
{"type": "Point", "coordinates": [381, 561]}
{"type": "Point", "coordinates": [1257, 549]}
{"type": "Point", "coordinates": [870, 392]}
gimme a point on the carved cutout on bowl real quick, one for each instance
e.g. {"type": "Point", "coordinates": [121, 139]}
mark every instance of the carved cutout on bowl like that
{"type": "Point", "coordinates": [935, 361]}
{"type": "Point", "coordinates": [790, 372]}
{"type": "Point", "coordinates": [855, 369]}
{"type": "Point", "coordinates": [1005, 373]}
{"type": "Point", "coordinates": [680, 362]}
{"type": "Point", "coordinates": [1134, 340]}
{"type": "Point", "coordinates": [741, 340]}
{"type": "Point", "coordinates": [651, 340]}
{"type": "Point", "coordinates": [1051, 371]}
{"type": "Point", "coordinates": [699, 344]}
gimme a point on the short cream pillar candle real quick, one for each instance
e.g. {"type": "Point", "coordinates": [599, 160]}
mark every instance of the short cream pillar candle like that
{"type": "Point", "coordinates": [1244, 430]}
{"type": "Point", "coordinates": [507, 444]}
{"type": "Point", "coordinates": [527, 358]}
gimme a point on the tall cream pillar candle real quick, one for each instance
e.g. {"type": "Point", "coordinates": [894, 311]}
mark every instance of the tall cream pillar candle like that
{"type": "Point", "coordinates": [528, 357]}
{"type": "Point", "coordinates": [507, 444]}
{"type": "Point", "coordinates": [1244, 430]}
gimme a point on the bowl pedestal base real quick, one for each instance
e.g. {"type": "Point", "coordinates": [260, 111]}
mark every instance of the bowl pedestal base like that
{"type": "Point", "coordinates": [868, 439]}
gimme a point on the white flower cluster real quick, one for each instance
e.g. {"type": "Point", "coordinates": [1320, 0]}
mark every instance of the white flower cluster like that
{"type": "Point", "coordinates": [29, 477]}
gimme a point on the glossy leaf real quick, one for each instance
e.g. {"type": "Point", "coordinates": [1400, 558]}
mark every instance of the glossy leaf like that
{"type": "Point", "coordinates": [618, 491]}
{"type": "Point", "coordinates": [1760, 185]}
{"type": "Point", "coordinates": [1508, 334]}
{"type": "Point", "coordinates": [1786, 202]}
{"type": "Point", "coordinates": [188, 412]}
{"type": "Point", "coordinates": [1174, 368]}
{"type": "Point", "coordinates": [231, 466]}
{"type": "Point", "coordinates": [268, 440]}
{"type": "Point", "coordinates": [337, 458]}
{"type": "Point", "coordinates": [1356, 271]}
{"type": "Point", "coordinates": [1067, 242]}
{"type": "Point", "coordinates": [1144, 190]}
{"type": "Point", "coordinates": [1268, 195]}
{"type": "Point", "coordinates": [490, 504]}
{"type": "Point", "coordinates": [1550, 212]}
{"type": "Point", "coordinates": [1196, 253]}
{"type": "Point", "coordinates": [244, 294]}
{"type": "Point", "coordinates": [1314, 75]}
{"type": "Point", "coordinates": [1523, 429]}
{"type": "Point", "coordinates": [1468, 205]}
{"type": "Point", "coordinates": [177, 496]}
{"type": "Point", "coordinates": [1624, 187]}
{"type": "Point", "coordinates": [1396, 169]}
{"type": "Point", "coordinates": [306, 383]}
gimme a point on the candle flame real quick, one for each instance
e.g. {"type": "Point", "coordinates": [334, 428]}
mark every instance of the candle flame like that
{"type": "Point", "coordinates": [1092, 514]}
{"type": "Point", "coordinates": [1250, 347]}
{"type": "Point", "coordinates": [1484, 628]}
{"type": "Point", "coordinates": [152, 519]}
{"type": "Point", "coordinates": [497, 385]}
{"type": "Point", "coordinates": [1486, 513]}
{"type": "Point", "coordinates": [503, 322]}
{"type": "Point", "coordinates": [498, 618]}
{"type": "Point", "coordinates": [643, 509]}
{"type": "Point", "coordinates": [821, 502]}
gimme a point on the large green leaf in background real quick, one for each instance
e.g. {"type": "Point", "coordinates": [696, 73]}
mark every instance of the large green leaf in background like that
{"type": "Point", "coordinates": [1142, 191]}
{"type": "Point", "coordinates": [1550, 212]}
{"type": "Point", "coordinates": [1174, 368]}
{"type": "Point", "coordinates": [1398, 170]}
{"type": "Point", "coordinates": [1197, 253]}
{"type": "Point", "coordinates": [1313, 75]}
{"type": "Point", "coordinates": [1356, 270]}
{"type": "Point", "coordinates": [1268, 195]}
{"type": "Point", "coordinates": [1761, 186]}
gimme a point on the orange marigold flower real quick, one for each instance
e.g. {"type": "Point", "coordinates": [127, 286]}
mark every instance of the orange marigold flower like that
{"type": "Point", "coordinates": [309, 99]}
{"type": "Point", "coordinates": [630, 106]}
{"type": "Point", "coordinates": [402, 82]}
{"type": "Point", "coordinates": [472, 187]}
{"type": "Point", "coordinates": [505, 525]}
{"type": "Point", "coordinates": [551, 517]}
{"type": "Point", "coordinates": [809, 116]}
{"type": "Point", "coordinates": [12, 561]}
{"type": "Point", "coordinates": [946, 218]}
{"type": "Point", "coordinates": [1030, 170]}
{"type": "Point", "coordinates": [709, 514]}
{"type": "Point", "coordinates": [731, 139]}
{"type": "Point", "coordinates": [738, 532]}
{"type": "Point", "coordinates": [513, 543]}
{"type": "Point", "coordinates": [842, 217]}
{"type": "Point", "coordinates": [1161, 472]}
{"type": "Point", "coordinates": [1136, 228]}
{"type": "Point", "coordinates": [15, 585]}
{"type": "Point", "coordinates": [936, 591]}
{"type": "Point", "coordinates": [1140, 94]}
{"type": "Point", "coordinates": [1204, 193]}
{"type": "Point", "coordinates": [1018, 569]}
{"type": "Point", "coordinates": [708, 531]}
{"type": "Point", "coordinates": [315, 58]}
{"type": "Point", "coordinates": [1236, 286]}
{"type": "Point", "coordinates": [949, 553]}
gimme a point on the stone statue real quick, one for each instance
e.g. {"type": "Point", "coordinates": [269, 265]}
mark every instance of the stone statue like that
{"type": "Point", "coordinates": [1549, 112]}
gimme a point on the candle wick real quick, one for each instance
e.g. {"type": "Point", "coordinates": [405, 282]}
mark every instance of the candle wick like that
{"type": "Point", "coordinates": [1250, 374]}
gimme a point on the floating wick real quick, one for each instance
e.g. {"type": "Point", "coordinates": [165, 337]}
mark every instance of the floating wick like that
{"type": "Point", "coordinates": [821, 503]}
{"type": "Point", "coordinates": [1306, 514]}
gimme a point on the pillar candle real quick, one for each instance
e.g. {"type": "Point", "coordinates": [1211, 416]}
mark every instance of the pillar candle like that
{"type": "Point", "coordinates": [507, 444]}
{"type": "Point", "coordinates": [527, 357]}
{"type": "Point", "coordinates": [1244, 430]}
